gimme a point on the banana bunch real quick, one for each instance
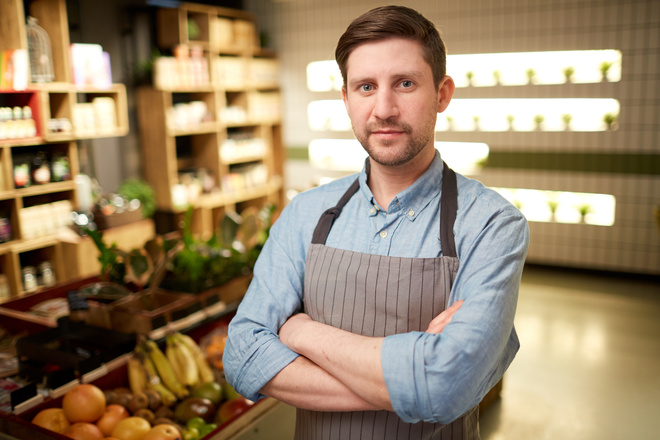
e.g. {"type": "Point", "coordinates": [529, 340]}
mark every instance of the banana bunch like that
{"type": "Point", "coordinates": [188, 360]}
{"type": "Point", "coordinates": [182, 361]}
{"type": "Point", "coordinates": [142, 376]}
{"type": "Point", "coordinates": [164, 368]}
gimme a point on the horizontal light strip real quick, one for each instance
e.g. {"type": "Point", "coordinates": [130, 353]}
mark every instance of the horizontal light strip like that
{"type": "Point", "coordinates": [507, 69]}
{"type": "Point", "coordinates": [348, 155]}
{"type": "Point", "coordinates": [562, 206]}
{"type": "Point", "coordinates": [553, 114]}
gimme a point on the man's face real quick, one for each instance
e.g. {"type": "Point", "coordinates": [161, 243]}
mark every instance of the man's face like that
{"type": "Point", "coordinates": [392, 101]}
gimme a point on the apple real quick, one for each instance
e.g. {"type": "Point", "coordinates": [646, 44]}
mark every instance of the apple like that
{"type": "Point", "coordinates": [163, 432]}
{"type": "Point", "coordinates": [232, 409]}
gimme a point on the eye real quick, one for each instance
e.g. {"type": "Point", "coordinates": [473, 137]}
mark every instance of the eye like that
{"type": "Point", "coordinates": [407, 84]}
{"type": "Point", "coordinates": [366, 88]}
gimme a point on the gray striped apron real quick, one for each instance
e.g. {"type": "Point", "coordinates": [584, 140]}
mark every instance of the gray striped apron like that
{"type": "Point", "coordinates": [375, 295]}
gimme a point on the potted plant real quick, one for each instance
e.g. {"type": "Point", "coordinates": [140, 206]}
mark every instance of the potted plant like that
{"type": "Point", "coordinates": [566, 119]}
{"type": "Point", "coordinates": [538, 122]}
{"type": "Point", "coordinates": [610, 120]}
{"type": "Point", "coordinates": [584, 209]}
{"type": "Point", "coordinates": [497, 75]}
{"type": "Point", "coordinates": [476, 119]}
{"type": "Point", "coordinates": [568, 73]}
{"type": "Point", "coordinates": [450, 123]}
{"type": "Point", "coordinates": [531, 75]}
{"type": "Point", "coordinates": [470, 76]}
{"type": "Point", "coordinates": [509, 119]}
{"type": "Point", "coordinates": [604, 69]}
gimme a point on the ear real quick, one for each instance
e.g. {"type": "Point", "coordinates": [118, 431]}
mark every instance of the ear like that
{"type": "Point", "coordinates": [344, 97]}
{"type": "Point", "coordinates": [445, 93]}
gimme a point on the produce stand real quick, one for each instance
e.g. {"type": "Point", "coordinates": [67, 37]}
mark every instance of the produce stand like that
{"type": "Point", "coordinates": [107, 370]}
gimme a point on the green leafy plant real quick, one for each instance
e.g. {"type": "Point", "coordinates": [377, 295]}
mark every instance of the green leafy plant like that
{"type": "Point", "coordinates": [566, 119]}
{"type": "Point", "coordinates": [138, 189]}
{"type": "Point", "coordinates": [509, 119]}
{"type": "Point", "coordinates": [531, 75]}
{"type": "Point", "coordinates": [497, 75]}
{"type": "Point", "coordinates": [568, 73]}
{"type": "Point", "coordinates": [605, 67]}
{"type": "Point", "coordinates": [610, 120]}
{"type": "Point", "coordinates": [470, 76]}
{"type": "Point", "coordinates": [538, 121]}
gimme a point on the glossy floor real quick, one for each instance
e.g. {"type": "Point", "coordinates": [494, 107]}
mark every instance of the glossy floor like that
{"type": "Point", "coordinates": [589, 363]}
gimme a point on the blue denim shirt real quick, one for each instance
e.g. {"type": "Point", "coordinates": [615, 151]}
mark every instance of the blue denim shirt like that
{"type": "Point", "coordinates": [431, 377]}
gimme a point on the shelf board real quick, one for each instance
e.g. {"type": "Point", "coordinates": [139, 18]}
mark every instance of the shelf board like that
{"type": "Point", "coordinates": [22, 142]}
{"type": "Point", "coordinates": [203, 128]}
{"type": "Point", "coordinates": [47, 188]}
{"type": "Point", "coordinates": [31, 244]}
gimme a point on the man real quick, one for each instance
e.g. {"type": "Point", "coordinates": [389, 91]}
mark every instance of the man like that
{"type": "Point", "coordinates": [382, 304]}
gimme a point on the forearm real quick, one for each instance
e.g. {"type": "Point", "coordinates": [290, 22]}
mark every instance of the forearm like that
{"type": "Point", "coordinates": [304, 384]}
{"type": "Point", "coordinates": [353, 359]}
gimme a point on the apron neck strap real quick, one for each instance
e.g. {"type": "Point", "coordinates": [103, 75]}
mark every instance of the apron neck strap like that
{"type": "Point", "coordinates": [448, 207]}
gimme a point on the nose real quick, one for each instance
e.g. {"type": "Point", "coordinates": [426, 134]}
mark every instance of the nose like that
{"type": "Point", "coordinates": [385, 104]}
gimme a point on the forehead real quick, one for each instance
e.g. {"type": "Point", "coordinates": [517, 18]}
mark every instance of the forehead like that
{"type": "Point", "coordinates": [386, 57]}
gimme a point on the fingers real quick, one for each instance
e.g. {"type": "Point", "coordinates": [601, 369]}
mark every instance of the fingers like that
{"type": "Point", "coordinates": [439, 322]}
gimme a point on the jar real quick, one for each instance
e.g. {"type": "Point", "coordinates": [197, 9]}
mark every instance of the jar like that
{"type": "Point", "coordinates": [29, 274]}
{"type": "Point", "coordinates": [40, 168]}
{"type": "Point", "coordinates": [46, 274]}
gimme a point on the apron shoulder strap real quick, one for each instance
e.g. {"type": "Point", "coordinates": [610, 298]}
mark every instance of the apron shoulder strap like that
{"type": "Point", "coordinates": [328, 217]}
{"type": "Point", "coordinates": [448, 208]}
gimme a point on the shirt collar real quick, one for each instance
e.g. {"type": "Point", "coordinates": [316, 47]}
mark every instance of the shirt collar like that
{"type": "Point", "coordinates": [413, 199]}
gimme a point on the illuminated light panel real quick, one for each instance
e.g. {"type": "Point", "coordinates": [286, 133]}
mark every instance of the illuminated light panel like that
{"type": "Point", "coordinates": [511, 69]}
{"type": "Point", "coordinates": [569, 207]}
{"type": "Point", "coordinates": [586, 114]}
{"type": "Point", "coordinates": [507, 69]}
{"type": "Point", "coordinates": [348, 155]}
{"type": "Point", "coordinates": [324, 76]}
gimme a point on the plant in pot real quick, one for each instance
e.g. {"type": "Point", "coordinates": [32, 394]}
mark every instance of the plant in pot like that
{"type": "Point", "coordinates": [605, 67]}
{"type": "Point", "coordinates": [568, 73]}
{"type": "Point", "coordinates": [230, 253]}
{"type": "Point", "coordinates": [566, 119]}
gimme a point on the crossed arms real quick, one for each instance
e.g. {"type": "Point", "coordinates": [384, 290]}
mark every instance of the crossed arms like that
{"type": "Point", "coordinates": [337, 370]}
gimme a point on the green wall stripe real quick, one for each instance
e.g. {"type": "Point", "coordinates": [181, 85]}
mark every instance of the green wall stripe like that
{"type": "Point", "coordinates": [616, 163]}
{"type": "Point", "coordinates": [578, 162]}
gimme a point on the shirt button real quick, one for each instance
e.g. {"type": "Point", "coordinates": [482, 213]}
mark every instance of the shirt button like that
{"type": "Point", "coordinates": [411, 213]}
{"type": "Point", "coordinates": [372, 210]}
{"type": "Point", "coordinates": [383, 234]}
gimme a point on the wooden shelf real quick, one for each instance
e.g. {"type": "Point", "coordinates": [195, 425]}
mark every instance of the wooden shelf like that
{"type": "Point", "coordinates": [48, 101]}
{"type": "Point", "coordinates": [170, 153]}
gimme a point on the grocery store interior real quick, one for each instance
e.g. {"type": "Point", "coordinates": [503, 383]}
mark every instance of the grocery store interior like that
{"type": "Point", "coordinates": [171, 127]}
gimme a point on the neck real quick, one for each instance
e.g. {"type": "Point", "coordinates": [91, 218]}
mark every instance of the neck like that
{"type": "Point", "coordinates": [386, 182]}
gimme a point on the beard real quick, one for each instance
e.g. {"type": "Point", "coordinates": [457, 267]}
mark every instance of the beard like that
{"type": "Point", "coordinates": [386, 152]}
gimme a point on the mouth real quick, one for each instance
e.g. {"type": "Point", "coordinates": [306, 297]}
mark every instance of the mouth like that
{"type": "Point", "coordinates": [387, 133]}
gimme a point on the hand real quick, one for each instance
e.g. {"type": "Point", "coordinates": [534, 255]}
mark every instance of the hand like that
{"type": "Point", "coordinates": [291, 328]}
{"type": "Point", "coordinates": [439, 322]}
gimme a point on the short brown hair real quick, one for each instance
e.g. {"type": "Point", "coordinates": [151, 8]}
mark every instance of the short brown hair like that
{"type": "Point", "coordinates": [394, 21]}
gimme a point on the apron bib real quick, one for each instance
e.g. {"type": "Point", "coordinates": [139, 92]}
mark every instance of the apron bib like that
{"type": "Point", "coordinates": [374, 295]}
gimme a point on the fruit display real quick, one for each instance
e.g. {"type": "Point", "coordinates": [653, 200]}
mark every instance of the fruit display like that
{"type": "Point", "coordinates": [171, 394]}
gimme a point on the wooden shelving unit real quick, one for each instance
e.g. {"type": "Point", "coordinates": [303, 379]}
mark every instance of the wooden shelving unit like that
{"type": "Point", "coordinates": [29, 245]}
{"type": "Point", "coordinates": [240, 94]}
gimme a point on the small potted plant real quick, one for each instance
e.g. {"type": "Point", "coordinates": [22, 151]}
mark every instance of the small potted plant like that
{"type": "Point", "coordinates": [509, 119]}
{"type": "Point", "coordinates": [470, 77]}
{"type": "Point", "coordinates": [531, 76]}
{"type": "Point", "coordinates": [566, 119]}
{"type": "Point", "coordinates": [476, 119]}
{"type": "Point", "coordinates": [604, 69]}
{"type": "Point", "coordinates": [497, 75]}
{"type": "Point", "coordinates": [450, 123]}
{"type": "Point", "coordinates": [569, 72]}
{"type": "Point", "coordinates": [538, 122]}
{"type": "Point", "coordinates": [584, 209]}
{"type": "Point", "coordinates": [610, 120]}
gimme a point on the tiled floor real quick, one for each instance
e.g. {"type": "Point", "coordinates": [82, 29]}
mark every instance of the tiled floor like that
{"type": "Point", "coordinates": [589, 363]}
